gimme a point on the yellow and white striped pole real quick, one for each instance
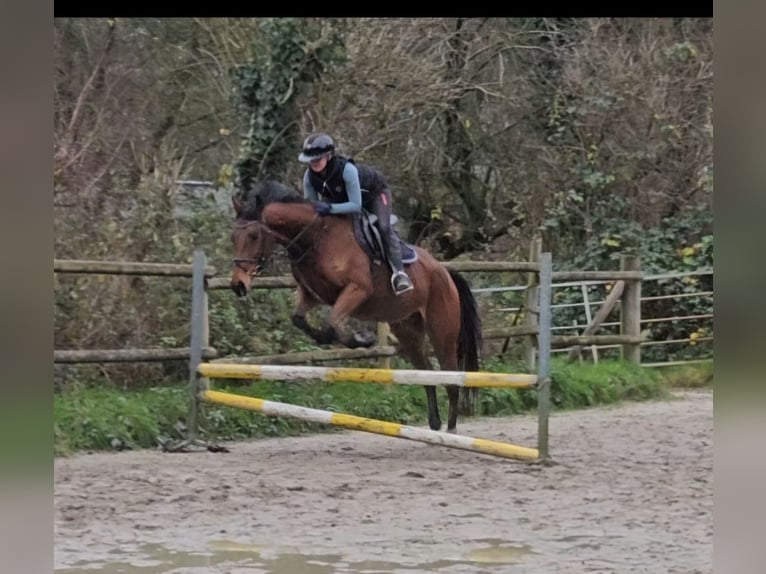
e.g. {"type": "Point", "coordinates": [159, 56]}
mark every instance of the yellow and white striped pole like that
{"type": "Point", "coordinates": [353, 422]}
{"type": "Point", "coordinates": [360, 375]}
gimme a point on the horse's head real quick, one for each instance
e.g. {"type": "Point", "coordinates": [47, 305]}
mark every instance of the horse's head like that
{"type": "Point", "coordinates": [253, 245]}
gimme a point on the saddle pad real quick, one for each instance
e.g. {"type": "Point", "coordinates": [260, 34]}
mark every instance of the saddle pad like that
{"type": "Point", "coordinates": [368, 238]}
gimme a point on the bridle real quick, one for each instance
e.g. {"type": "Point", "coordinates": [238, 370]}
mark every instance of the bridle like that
{"type": "Point", "coordinates": [260, 262]}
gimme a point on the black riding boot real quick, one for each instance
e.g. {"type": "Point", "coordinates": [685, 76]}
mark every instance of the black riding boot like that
{"type": "Point", "coordinates": [400, 281]}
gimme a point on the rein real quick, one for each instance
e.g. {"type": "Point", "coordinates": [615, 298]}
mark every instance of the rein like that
{"type": "Point", "coordinates": [295, 239]}
{"type": "Point", "coordinates": [290, 244]}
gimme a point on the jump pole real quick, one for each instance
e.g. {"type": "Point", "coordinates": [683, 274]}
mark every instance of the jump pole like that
{"type": "Point", "coordinates": [361, 375]}
{"type": "Point", "coordinates": [353, 422]}
{"type": "Point", "coordinates": [200, 392]}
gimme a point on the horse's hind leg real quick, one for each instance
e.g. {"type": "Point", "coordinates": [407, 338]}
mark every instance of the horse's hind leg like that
{"type": "Point", "coordinates": [453, 394]}
{"type": "Point", "coordinates": [443, 324]}
{"type": "Point", "coordinates": [412, 346]}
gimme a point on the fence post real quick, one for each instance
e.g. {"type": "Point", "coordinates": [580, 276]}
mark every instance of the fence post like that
{"type": "Point", "coordinates": [204, 382]}
{"type": "Point", "coordinates": [630, 309]}
{"type": "Point", "coordinates": [199, 338]}
{"type": "Point", "coordinates": [544, 353]}
{"type": "Point", "coordinates": [383, 331]}
{"type": "Point", "coordinates": [532, 297]}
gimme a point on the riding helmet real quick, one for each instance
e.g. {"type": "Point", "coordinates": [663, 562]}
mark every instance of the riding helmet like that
{"type": "Point", "coordinates": [316, 146]}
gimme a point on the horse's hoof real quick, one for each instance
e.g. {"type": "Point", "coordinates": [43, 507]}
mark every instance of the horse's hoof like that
{"type": "Point", "coordinates": [327, 336]}
{"type": "Point", "coordinates": [365, 339]}
{"type": "Point", "coordinates": [435, 425]}
{"type": "Point", "coordinates": [453, 430]}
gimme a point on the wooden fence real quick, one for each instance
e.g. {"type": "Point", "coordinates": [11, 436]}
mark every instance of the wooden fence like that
{"type": "Point", "coordinates": [628, 278]}
{"type": "Point", "coordinates": [644, 321]}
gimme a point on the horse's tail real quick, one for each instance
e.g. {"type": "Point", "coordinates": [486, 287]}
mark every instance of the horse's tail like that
{"type": "Point", "coordinates": [469, 340]}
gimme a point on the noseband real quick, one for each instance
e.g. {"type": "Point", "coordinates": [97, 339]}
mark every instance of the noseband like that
{"type": "Point", "coordinates": [259, 263]}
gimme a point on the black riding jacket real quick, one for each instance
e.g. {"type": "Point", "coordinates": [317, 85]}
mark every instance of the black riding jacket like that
{"type": "Point", "coordinates": [330, 185]}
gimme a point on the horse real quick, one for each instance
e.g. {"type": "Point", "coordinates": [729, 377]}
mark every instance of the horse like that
{"type": "Point", "coordinates": [331, 268]}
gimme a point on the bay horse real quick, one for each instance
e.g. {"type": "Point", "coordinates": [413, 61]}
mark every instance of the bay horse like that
{"type": "Point", "coordinates": [331, 268]}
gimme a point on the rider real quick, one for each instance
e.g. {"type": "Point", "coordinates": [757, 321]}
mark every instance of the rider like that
{"type": "Point", "coordinates": [338, 185]}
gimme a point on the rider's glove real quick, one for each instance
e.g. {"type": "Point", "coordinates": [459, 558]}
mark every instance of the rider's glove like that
{"type": "Point", "coordinates": [322, 207]}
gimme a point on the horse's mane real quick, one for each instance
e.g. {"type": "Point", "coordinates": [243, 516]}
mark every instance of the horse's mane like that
{"type": "Point", "coordinates": [256, 197]}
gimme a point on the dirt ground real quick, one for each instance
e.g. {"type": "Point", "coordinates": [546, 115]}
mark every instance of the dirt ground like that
{"type": "Point", "coordinates": [630, 490]}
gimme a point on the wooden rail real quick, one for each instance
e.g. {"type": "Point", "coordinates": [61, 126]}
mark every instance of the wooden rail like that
{"type": "Point", "coordinates": [128, 355]}
{"type": "Point", "coordinates": [281, 282]}
{"type": "Point", "coordinates": [319, 356]}
{"type": "Point", "coordinates": [630, 276]}
{"type": "Point", "coordinates": [287, 281]}
{"type": "Point", "coordinates": [126, 268]}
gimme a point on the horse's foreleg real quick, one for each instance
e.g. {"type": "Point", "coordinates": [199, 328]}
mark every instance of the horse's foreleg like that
{"type": "Point", "coordinates": [304, 302]}
{"type": "Point", "coordinates": [347, 302]}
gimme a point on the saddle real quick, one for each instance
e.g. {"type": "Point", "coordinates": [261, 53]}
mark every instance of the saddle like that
{"type": "Point", "coordinates": [367, 235]}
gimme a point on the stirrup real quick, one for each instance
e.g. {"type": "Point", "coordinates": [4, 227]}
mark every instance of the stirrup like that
{"type": "Point", "coordinates": [407, 283]}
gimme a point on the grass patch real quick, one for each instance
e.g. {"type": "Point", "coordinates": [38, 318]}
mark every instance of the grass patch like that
{"type": "Point", "coordinates": [576, 386]}
{"type": "Point", "coordinates": [87, 418]}
{"type": "Point", "coordinates": [93, 418]}
{"type": "Point", "coordinates": [693, 376]}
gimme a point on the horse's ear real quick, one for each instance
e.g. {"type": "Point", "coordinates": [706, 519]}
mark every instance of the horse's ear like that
{"type": "Point", "coordinates": [237, 205]}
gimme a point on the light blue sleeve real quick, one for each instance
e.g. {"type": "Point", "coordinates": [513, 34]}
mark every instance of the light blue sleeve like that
{"type": "Point", "coordinates": [353, 189]}
{"type": "Point", "coordinates": [308, 190]}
